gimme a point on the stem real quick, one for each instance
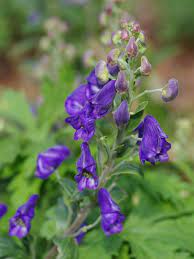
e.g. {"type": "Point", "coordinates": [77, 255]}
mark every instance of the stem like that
{"type": "Point", "coordinates": [82, 215]}
{"type": "Point", "coordinates": [146, 92]}
{"type": "Point", "coordinates": [86, 228]}
{"type": "Point", "coordinates": [115, 174]}
{"type": "Point", "coordinates": [67, 203]}
{"type": "Point", "coordinates": [52, 253]}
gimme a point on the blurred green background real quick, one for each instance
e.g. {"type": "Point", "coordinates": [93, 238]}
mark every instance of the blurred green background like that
{"type": "Point", "coordinates": [43, 50]}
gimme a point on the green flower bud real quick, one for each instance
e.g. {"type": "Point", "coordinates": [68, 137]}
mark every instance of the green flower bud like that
{"type": "Point", "coordinates": [101, 72]}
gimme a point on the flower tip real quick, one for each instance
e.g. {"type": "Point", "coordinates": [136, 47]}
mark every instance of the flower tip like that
{"type": "Point", "coordinates": [101, 72]}
{"type": "Point", "coordinates": [146, 67]}
{"type": "Point", "coordinates": [132, 48]}
{"type": "Point", "coordinates": [170, 92]}
{"type": "Point", "coordinates": [121, 83]}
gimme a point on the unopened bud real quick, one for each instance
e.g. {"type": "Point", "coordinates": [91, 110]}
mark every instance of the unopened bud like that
{"type": "Point", "coordinates": [122, 63]}
{"type": "Point", "coordinates": [125, 20]}
{"type": "Point", "coordinates": [170, 92]}
{"type": "Point", "coordinates": [132, 48]}
{"type": "Point", "coordinates": [121, 115]}
{"type": "Point", "coordinates": [146, 67]}
{"type": "Point", "coordinates": [116, 37]}
{"type": "Point", "coordinates": [113, 69]}
{"type": "Point", "coordinates": [141, 36]}
{"type": "Point", "coordinates": [135, 27]}
{"type": "Point", "coordinates": [101, 72]}
{"type": "Point", "coordinates": [108, 9]}
{"type": "Point", "coordinates": [113, 56]}
{"type": "Point", "coordinates": [121, 83]}
{"type": "Point", "coordinates": [124, 35]}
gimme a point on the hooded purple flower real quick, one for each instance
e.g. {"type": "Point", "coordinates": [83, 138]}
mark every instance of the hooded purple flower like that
{"type": "Point", "coordinates": [50, 160]}
{"type": "Point", "coordinates": [20, 223]}
{"type": "Point", "coordinates": [111, 217]}
{"type": "Point", "coordinates": [3, 210]}
{"type": "Point", "coordinates": [153, 147]}
{"type": "Point", "coordinates": [80, 112]}
{"type": "Point", "coordinates": [121, 115]}
{"type": "Point", "coordinates": [87, 104]}
{"type": "Point", "coordinates": [93, 86]}
{"type": "Point", "coordinates": [86, 167]}
{"type": "Point", "coordinates": [75, 102]}
{"type": "Point", "coordinates": [103, 100]}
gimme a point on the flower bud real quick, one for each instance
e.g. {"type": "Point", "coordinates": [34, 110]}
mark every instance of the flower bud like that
{"type": "Point", "coordinates": [101, 72]}
{"type": "Point", "coordinates": [170, 92]}
{"type": "Point", "coordinates": [121, 115]}
{"type": "Point", "coordinates": [122, 63]}
{"type": "Point", "coordinates": [116, 37]}
{"type": "Point", "coordinates": [141, 36]}
{"type": "Point", "coordinates": [108, 9]}
{"type": "Point", "coordinates": [113, 56]}
{"type": "Point", "coordinates": [124, 35]}
{"type": "Point", "coordinates": [132, 48]}
{"type": "Point", "coordinates": [113, 69]}
{"type": "Point", "coordinates": [135, 27]}
{"type": "Point", "coordinates": [121, 84]}
{"type": "Point", "coordinates": [146, 67]}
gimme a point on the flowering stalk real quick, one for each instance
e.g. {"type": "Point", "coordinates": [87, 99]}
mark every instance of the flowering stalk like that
{"type": "Point", "coordinates": [107, 91]}
{"type": "Point", "coordinates": [107, 95]}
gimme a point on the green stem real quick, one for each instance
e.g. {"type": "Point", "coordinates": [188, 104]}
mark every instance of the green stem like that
{"type": "Point", "coordinates": [86, 228]}
{"type": "Point", "coordinates": [146, 92]}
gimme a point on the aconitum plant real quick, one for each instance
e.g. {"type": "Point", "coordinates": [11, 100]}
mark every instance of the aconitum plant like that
{"type": "Point", "coordinates": [110, 95]}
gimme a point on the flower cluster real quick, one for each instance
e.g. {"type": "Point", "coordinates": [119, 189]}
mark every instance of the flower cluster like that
{"type": "Point", "coordinates": [116, 79]}
{"type": "Point", "coordinates": [111, 89]}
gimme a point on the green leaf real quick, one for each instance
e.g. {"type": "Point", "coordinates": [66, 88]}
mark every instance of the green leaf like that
{"type": "Point", "coordinates": [67, 249]}
{"type": "Point", "coordinates": [154, 240]}
{"type": "Point", "coordinates": [48, 229]}
{"type": "Point", "coordinates": [134, 121]}
{"type": "Point", "coordinates": [128, 166]}
{"type": "Point", "coordinates": [9, 249]}
{"type": "Point", "coordinates": [9, 149]}
{"type": "Point", "coordinates": [141, 107]}
{"type": "Point", "coordinates": [96, 245]}
{"type": "Point", "coordinates": [16, 109]}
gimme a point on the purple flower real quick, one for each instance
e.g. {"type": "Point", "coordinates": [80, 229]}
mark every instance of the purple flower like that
{"type": "Point", "coordinates": [3, 210]}
{"type": "Point", "coordinates": [102, 101]}
{"type": "Point", "coordinates": [170, 92]}
{"type": "Point", "coordinates": [50, 160]}
{"type": "Point", "coordinates": [76, 101]}
{"type": "Point", "coordinates": [111, 217]}
{"type": "Point", "coordinates": [86, 167]}
{"type": "Point", "coordinates": [20, 223]}
{"type": "Point", "coordinates": [87, 104]}
{"type": "Point", "coordinates": [121, 115]}
{"type": "Point", "coordinates": [153, 147]}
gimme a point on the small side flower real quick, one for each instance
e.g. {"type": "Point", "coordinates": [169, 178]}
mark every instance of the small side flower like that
{"type": "Point", "coordinates": [20, 223]}
{"type": "Point", "coordinates": [111, 217]}
{"type": "Point", "coordinates": [3, 210]}
{"type": "Point", "coordinates": [50, 160]}
{"type": "Point", "coordinates": [153, 146]}
{"type": "Point", "coordinates": [86, 167]}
